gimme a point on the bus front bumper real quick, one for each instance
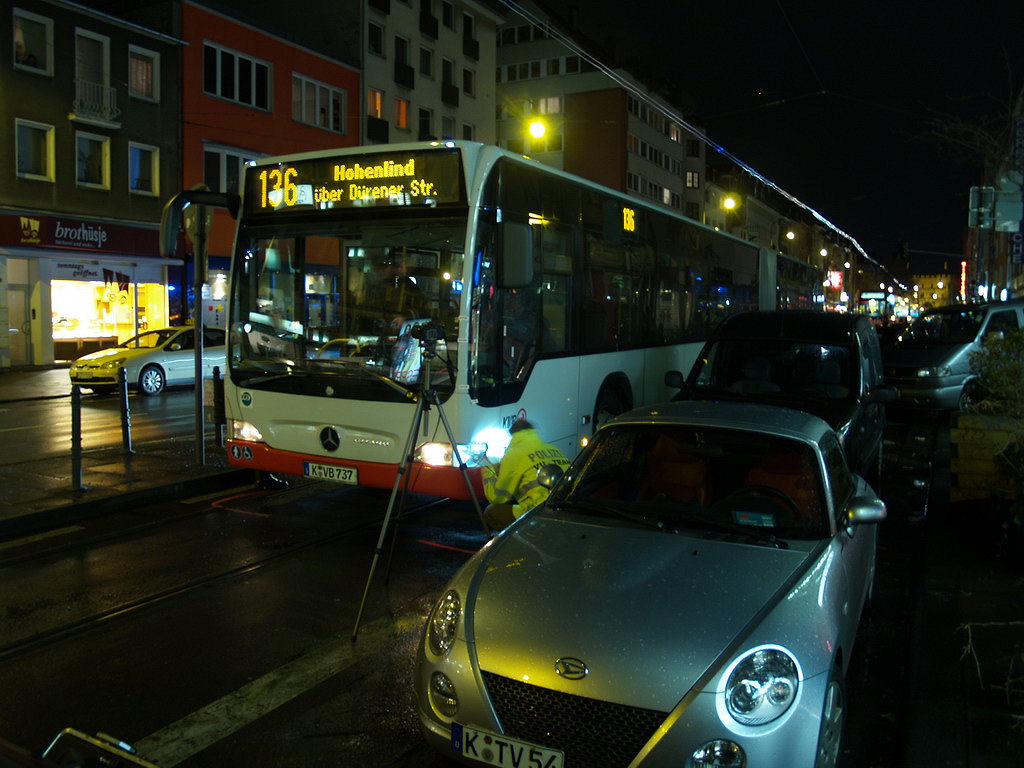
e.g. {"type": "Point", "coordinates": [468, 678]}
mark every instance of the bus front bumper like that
{"type": "Point", "coordinates": [423, 478]}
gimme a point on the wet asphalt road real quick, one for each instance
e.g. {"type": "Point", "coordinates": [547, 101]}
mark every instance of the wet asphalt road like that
{"type": "Point", "coordinates": [217, 631]}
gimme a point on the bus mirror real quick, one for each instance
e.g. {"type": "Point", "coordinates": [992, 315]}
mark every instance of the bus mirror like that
{"type": "Point", "coordinates": [516, 255]}
{"type": "Point", "coordinates": [170, 220]}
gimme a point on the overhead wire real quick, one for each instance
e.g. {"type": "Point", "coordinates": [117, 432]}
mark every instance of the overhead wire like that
{"type": "Point", "coordinates": [555, 33]}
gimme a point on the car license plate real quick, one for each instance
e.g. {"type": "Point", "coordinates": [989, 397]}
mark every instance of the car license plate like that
{"type": "Point", "coordinates": [83, 375]}
{"type": "Point", "coordinates": [348, 475]}
{"type": "Point", "coordinates": [492, 749]}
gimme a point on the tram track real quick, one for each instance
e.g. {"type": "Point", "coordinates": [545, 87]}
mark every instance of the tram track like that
{"type": "Point", "coordinates": [69, 629]}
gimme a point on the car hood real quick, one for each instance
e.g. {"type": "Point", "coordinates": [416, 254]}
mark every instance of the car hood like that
{"type": "Point", "coordinates": [922, 355]}
{"type": "Point", "coordinates": [113, 353]}
{"type": "Point", "coordinates": [647, 612]}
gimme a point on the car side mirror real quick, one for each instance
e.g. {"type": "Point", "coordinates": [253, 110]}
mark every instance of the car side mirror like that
{"type": "Point", "coordinates": [865, 509]}
{"type": "Point", "coordinates": [674, 379]}
{"type": "Point", "coordinates": [548, 475]}
{"type": "Point", "coordinates": [175, 347]}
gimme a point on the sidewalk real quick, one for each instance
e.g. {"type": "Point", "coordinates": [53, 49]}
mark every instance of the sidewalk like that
{"type": "Point", "coordinates": [39, 494]}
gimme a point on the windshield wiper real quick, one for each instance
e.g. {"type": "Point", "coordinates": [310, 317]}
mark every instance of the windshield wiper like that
{"type": "Point", "coordinates": [351, 366]}
{"type": "Point", "coordinates": [608, 509]}
{"type": "Point", "coordinates": [722, 526]}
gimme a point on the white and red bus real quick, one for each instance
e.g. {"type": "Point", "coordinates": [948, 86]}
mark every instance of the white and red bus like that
{"type": "Point", "coordinates": [540, 294]}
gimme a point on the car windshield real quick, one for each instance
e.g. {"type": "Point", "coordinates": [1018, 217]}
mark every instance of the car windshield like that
{"type": "Point", "coordinates": [150, 339]}
{"type": "Point", "coordinates": [713, 480]}
{"type": "Point", "coordinates": [959, 326]}
{"type": "Point", "coordinates": [783, 367]}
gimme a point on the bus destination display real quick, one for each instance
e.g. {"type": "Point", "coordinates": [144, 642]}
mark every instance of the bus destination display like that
{"type": "Point", "coordinates": [353, 181]}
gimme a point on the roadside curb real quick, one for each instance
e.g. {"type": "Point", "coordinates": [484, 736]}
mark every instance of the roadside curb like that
{"type": "Point", "coordinates": [37, 397]}
{"type": "Point", "coordinates": [36, 522]}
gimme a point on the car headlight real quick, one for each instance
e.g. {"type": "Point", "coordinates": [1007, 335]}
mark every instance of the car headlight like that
{"type": "Point", "coordinates": [926, 373]}
{"type": "Point", "coordinates": [444, 623]}
{"type": "Point", "coordinates": [112, 364]}
{"type": "Point", "coordinates": [761, 686]}
{"type": "Point", "coordinates": [442, 694]}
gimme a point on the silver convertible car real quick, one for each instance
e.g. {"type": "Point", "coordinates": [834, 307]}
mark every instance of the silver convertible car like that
{"type": "Point", "coordinates": [688, 596]}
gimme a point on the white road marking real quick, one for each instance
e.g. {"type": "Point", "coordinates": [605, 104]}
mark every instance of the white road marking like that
{"type": "Point", "coordinates": [40, 536]}
{"type": "Point", "coordinates": [195, 732]}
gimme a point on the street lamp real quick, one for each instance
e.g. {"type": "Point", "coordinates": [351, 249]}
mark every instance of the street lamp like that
{"type": "Point", "coordinates": [537, 129]}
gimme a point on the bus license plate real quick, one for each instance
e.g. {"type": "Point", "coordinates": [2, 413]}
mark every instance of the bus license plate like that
{"type": "Point", "coordinates": [347, 475]}
{"type": "Point", "coordinates": [492, 749]}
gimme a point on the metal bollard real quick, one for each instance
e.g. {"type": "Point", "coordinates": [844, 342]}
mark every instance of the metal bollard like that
{"type": "Point", "coordinates": [126, 411]}
{"type": "Point", "coordinates": [219, 416]}
{"type": "Point", "coordinates": [76, 438]}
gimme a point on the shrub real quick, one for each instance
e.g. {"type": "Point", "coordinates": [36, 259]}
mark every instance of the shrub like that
{"type": "Point", "coordinates": [999, 368]}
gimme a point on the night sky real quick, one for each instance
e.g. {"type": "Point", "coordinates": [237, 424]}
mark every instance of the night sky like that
{"type": "Point", "coordinates": [835, 102]}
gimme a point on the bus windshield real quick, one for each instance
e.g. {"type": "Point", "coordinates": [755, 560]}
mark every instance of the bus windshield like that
{"type": "Point", "coordinates": [354, 309]}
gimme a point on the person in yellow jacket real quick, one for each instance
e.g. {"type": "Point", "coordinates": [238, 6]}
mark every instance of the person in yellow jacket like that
{"type": "Point", "coordinates": [511, 487]}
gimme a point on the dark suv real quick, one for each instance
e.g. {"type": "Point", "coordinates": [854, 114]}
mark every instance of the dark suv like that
{"type": "Point", "coordinates": [824, 363]}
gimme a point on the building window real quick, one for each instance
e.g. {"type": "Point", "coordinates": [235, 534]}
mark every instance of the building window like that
{"type": "Point", "coordinates": [426, 121]}
{"type": "Point", "coordinates": [92, 160]}
{"type": "Point", "coordinates": [375, 39]}
{"type": "Point", "coordinates": [319, 104]}
{"type": "Point", "coordinates": [549, 105]}
{"type": "Point", "coordinates": [375, 103]}
{"type": "Point", "coordinates": [507, 36]}
{"type": "Point", "coordinates": [448, 14]}
{"type": "Point", "coordinates": [426, 62]}
{"type": "Point", "coordinates": [143, 73]}
{"type": "Point", "coordinates": [554, 67]}
{"type": "Point", "coordinates": [222, 167]}
{"type": "Point", "coordinates": [33, 42]}
{"type": "Point", "coordinates": [401, 50]}
{"type": "Point", "coordinates": [468, 132]}
{"type": "Point", "coordinates": [34, 149]}
{"type": "Point", "coordinates": [447, 127]}
{"type": "Point", "coordinates": [469, 82]}
{"type": "Point", "coordinates": [236, 77]}
{"type": "Point", "coordinates": [692, 180]}
{"type": "Point", "coordinates": [402, 113]}
{"type": "Point", "coordinates": [693, 210]}
{"type": "Point", "coordinates": [447, 71]}
{"type": "Point", "coordinates": [143, 169]}
{"type": "Point", "coordinates": [692, 148]}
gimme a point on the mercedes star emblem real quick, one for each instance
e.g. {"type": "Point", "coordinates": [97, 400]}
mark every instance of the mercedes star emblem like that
{"type": "Point", "coordinates": [329, 439]}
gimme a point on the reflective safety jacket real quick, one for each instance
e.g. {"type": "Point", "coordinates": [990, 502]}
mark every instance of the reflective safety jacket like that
{"type": "Point", "coordinates": [514, 480]}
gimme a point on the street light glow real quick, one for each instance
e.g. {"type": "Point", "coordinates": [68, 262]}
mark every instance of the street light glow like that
{"type": "Point", "coordinates": [729, 203]}
{"type": "Point", "coordinates": [537, 129]}
{"type": "Point", "coordinates": [790, 235]}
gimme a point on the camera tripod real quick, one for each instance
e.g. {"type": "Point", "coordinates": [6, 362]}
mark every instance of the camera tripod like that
{"type": "Point", "coordinates": [426, 397]}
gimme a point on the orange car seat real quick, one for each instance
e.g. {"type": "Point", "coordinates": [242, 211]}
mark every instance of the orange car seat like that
{"type": "Point", "coordinates": [792, 473]}
{"type": "Point", "coordinates": [677, 475]}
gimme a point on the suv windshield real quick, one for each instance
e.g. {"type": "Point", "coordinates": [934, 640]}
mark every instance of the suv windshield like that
{"type": "Point", "coordinates": [959, 326]}
{"type": "Point", "coordinates": [348, 308]}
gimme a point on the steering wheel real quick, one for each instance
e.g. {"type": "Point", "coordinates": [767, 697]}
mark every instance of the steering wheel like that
{"type": "Point", "coordinates": [780, 497]}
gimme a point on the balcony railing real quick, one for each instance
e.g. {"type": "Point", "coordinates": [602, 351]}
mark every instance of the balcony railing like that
{"type": "Point", "coordinates": [405, 75]}
{"type": "Point", "coordinates": [95, 101]}
{"type": "Point", "coordinates": [428, 25]}
{"type": "Point", "coordinates": [471, 48]}
{"type": "Point", "coordinates": [450, 94]}
{"type": "Point", "coordinates": [377, 130]}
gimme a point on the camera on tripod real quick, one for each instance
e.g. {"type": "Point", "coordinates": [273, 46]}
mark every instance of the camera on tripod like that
{"type": "Point", "coordinates": [427, 332]}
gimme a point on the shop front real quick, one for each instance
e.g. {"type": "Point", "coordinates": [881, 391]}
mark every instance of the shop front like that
{"type": "Point", "coordinates": [74, 286]}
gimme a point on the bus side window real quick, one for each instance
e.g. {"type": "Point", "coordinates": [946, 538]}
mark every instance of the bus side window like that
{"type": "Point", "coordinates": [556, 300]}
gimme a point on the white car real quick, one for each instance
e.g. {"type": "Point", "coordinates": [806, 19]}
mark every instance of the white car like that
{"type": "Point", "coordinates": [688, 596]}
{"type": "Point", "coordinates": [152, 361]}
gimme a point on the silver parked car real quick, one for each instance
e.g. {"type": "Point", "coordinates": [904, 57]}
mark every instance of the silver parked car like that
{"type": "Point", "coordinates": [689, 595]}
{"type": "Point", "coordinates": [152, 360]}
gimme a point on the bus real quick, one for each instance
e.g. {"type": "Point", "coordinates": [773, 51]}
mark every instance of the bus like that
{"type": "Point", "coordinates": [366, 278]}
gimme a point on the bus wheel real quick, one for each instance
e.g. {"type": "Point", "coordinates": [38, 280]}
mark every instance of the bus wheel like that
{"type": "Point", "coordinates": [609, 405]}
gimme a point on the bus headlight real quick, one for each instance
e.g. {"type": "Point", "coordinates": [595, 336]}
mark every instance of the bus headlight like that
{"type": "Point", "coordinates": [243, 430]}
{"type": "Point", "coordinates": [442, 455]}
